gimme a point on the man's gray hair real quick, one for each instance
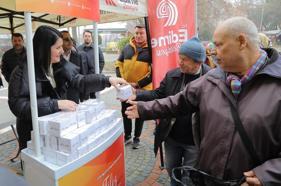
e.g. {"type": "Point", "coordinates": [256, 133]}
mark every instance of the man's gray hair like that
{"type": "Point", "coordinates": [237, 25]}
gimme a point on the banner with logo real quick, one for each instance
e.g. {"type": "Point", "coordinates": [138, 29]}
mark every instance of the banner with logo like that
{"type": "Point", "coordinates": [171, 22]}
{"type": "Point", "coordinates": [116, 10]}
{"type": "Point", "coordinates": [130, 7]}
{"type": "Point", "coordinates": [88, 9]}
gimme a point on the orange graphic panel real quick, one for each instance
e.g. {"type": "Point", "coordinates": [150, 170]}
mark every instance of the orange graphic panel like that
{"type": "Point", "coordinates": [107, 169]}
{"type": "Point", "coordinates": [88, 9]}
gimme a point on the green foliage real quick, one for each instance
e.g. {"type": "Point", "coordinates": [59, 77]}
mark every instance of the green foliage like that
{"type": "Point", "coordinates": [122, 42]}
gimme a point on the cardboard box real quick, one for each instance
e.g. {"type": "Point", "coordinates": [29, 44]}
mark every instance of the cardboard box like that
{"type": "Point", "coordinates": [50, 155]}
{"type": "Point", "coordinates": [91, 109]}
{"type": "Point", "coordinates": [64, 158]}
{"type": "Point", "coordinates": [124, 92]}
{"type": "Point", "coordinates": [83, 134]}
{"type": "Point", "coordinates": [44, 120]}
{"type": "Point", "coordinates": [69, 143]}
{"type": "Point", "coordinates": [53, 142]}
{"type": "Point", "coordinates": [61, 127]}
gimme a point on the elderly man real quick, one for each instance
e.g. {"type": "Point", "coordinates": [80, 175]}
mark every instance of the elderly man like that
{"type": "Point", "coordinates": [246, 85]}
{"type": "Point", "coordinates": [177, 132]}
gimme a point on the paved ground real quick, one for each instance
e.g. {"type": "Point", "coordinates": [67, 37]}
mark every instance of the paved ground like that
{"type": "Point", "coordinates": [142, 168]}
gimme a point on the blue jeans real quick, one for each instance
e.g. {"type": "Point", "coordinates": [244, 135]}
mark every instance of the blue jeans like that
{"type": "Point", "coordinates": [177, 155]}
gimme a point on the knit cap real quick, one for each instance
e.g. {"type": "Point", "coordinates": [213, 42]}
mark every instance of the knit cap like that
{"type": "Point", "coordinates": [193, 49]}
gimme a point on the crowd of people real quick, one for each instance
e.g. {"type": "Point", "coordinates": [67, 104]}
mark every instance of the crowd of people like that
{"type": "Point", "coordinates": [218, 112]}
{"type": "Point", "coordinates": [238, 110]}
{"type": "Point", "coordinates": [58, 81]}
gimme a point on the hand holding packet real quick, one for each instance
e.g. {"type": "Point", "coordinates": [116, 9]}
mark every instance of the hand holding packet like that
{"type": "Point", "coordinates": [124, 92]}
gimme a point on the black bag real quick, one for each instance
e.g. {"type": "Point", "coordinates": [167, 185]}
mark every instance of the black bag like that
{"type": "Point", "coordinates": [200, 178]}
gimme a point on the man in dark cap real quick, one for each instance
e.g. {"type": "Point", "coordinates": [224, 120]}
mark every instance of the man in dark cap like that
{"type": "Point", "coordinates": [177, 132]}
{"type": "Point", "coordinates": [239, 105]}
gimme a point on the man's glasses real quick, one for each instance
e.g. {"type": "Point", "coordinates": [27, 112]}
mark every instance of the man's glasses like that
{"type": "Point", "coordinates": [200, 178]}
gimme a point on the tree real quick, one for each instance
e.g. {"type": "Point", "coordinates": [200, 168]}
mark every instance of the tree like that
{"type": "Point", "coordinates": [210, 13]}
{"type": "Point", "coordinates": [265, 14]}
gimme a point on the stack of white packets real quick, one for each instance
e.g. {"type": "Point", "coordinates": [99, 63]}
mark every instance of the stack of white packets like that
{"type": "Point", "coordinates": [66, 136]}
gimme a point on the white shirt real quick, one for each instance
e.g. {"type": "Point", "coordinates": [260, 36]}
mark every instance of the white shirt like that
{"type": "Point", "coordinates": [66, 56]}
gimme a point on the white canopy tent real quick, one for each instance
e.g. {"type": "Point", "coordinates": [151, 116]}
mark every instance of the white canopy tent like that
{"type": "Point", "coordinates": [12, 20]}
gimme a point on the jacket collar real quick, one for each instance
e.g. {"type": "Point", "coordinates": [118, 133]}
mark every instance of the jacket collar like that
{"type": "Point", "coordinates": [272, 68]}
{"type": "Point", "coordinates": [90, 46]}
{"type": "Point", "coordinates": [177, 73]}
{"type": "Point", "coordinates": [23, 52]}
{"type": "Point", "coordinates": [133, 44]}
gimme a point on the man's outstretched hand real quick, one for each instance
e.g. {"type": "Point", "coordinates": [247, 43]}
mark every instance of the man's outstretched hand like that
{"type": "Point", "coordinates": [251, 179]}
{"type": "Point", "coordinates": [132, 111]}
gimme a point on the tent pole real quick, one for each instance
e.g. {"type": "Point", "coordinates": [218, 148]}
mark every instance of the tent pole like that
{"type": "Point", "coordinates": [11, 20]}
{"type": "Point", "coordinates": [96, 46]}
{"type": "Point", "coordinates": [148, 39]}
{"type": "Point", "coordinates": [96, 49]}
{"type": "Point", "coordinates": [148, 35]}
{"type": "Point", "coordinates": [31, 80]}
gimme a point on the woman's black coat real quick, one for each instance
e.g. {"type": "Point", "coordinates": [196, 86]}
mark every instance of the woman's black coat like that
{"type": "Point", "coordinates": [66, 75]}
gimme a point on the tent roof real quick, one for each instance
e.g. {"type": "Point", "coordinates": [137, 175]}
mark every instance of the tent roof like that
{"type": "Point", "coordinates": [11, 19]}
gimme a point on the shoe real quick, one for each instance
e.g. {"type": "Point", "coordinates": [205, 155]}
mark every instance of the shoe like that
{"type": "Point", "coordinates": [127, 140]}
{"type": "Point", "coordinates": [136, 144]}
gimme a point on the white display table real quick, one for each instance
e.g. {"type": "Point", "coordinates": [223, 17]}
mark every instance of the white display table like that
{"type": "Point", "coordinates": [104, 165]}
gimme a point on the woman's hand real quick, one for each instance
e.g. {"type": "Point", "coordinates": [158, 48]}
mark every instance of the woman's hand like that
{"type": "Point", "coordinates": [67, 105]}
{"type": "Point", "coordinates": [115, 81]}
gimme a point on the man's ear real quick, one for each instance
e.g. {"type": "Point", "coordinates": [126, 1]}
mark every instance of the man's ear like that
{"type": "Point", "coordinates": [242, 41]}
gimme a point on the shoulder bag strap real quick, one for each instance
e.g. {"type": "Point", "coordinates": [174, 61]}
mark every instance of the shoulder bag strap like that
{"type": "Point", "coordinates": [245, 138]}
